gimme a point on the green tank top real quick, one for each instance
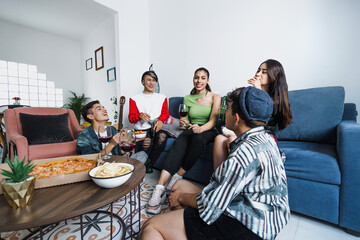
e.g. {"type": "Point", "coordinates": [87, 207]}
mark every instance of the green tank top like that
{"type": "Point", "coordinates": [198, 114]}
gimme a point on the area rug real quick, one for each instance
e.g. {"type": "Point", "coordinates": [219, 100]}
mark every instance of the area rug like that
{"type": "Point", "coordinates": [96, 225]}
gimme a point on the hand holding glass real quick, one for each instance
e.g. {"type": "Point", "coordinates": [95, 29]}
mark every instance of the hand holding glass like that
{"type": "Point", "coordinates": [183, 112]}
{"type": "Point", "coordinates": [127, 141]}
{"type": "Point", "coordinates": [104, 136]}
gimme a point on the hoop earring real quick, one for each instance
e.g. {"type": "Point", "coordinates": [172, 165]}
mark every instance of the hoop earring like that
{"type": "Point", "coordinates": [236, 124]}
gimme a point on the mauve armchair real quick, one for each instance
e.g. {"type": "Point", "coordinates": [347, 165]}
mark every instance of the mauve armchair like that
{"type": "Point", "coordinates": [19, 144]}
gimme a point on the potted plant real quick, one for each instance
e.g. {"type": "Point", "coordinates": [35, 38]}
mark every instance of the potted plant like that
{"type": "Point", "coordinates": [76, 103]}
{"type": "Point", "coordinates": [17, 100]}
{"type": "Point", "coordinates": [114, 102]}
{"type": "Point", "coordinates": [18, 186]}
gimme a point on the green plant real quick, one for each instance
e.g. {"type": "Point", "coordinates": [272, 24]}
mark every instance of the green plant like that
{"type": "Point", "coordinates": [114, 101]}
{"type": "Point", "coordinates": [19, 170]}
{"type": "Point", "coordinates": [76, 103]}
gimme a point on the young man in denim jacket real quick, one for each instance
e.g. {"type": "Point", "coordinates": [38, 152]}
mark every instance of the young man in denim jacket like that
{"type": "Point", "coordinates": [87, 141]}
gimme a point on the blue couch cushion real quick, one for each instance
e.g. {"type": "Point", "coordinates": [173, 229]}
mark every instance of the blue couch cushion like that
{"type": "Point", "coordinates": [174, 103]}
{"type": "Point", "coordinates": [311, 161]}
{"type": "Point", "coordinates": [318, 200]}
{"type": "Point", "coordinates": [316, 113]}
{"type": "Point", "coordinates": [350, 112]}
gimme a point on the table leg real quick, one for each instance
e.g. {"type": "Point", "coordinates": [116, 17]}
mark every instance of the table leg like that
{"type": "Point", "coordinates": [122, 223]}
{"type": "Point", "coordinates": [41, 233]}
{"type": "Point", "coordinates": [134, 199]}
{"type": "Point", "coordinates": [131, 215]}
{"type": "Point", "coordinates": [81, 228]}
{"type": "Point", "coordinates": [111, 220]}
{"type": "Point", "coordinates": [139, 206]}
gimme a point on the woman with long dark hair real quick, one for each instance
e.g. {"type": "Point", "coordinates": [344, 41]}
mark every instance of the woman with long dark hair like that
{"type": "Point", "coordinates": [269, 77]}
{"type": "Point", "coordinates": [200, 122]}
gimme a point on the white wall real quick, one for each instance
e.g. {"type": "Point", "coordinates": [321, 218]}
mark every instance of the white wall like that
{"type": "Point", "coordinates": [316, 41]}
{"type": "Point", "coordinates": [133, 46]}
{"type": "Point", "coordinates": [96, 86]}
{"type": "Point", "coordinates": [56, 56]}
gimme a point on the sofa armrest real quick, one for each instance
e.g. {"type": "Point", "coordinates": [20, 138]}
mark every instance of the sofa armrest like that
{"type": "Point", "coordinates": [348, 148]}
{"type": "Point", "coordinates": [76, 130]}
{"type": "Point", "coordinates": [22, 146]}
{"type": "Point", "coordinates": [74, 124]}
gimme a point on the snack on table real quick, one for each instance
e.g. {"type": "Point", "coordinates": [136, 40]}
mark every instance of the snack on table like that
{"type": "Point", "coordinates": [140, 132]}
{"type": "Point", "coordinates": [112, 170]}
{"type": "Point", "coordinates": [62, 167]}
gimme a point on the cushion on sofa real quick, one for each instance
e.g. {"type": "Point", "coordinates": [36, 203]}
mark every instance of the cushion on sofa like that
{"type": "Point", "coordinates": [316, 113]}
{"type": "Point", "coordinates": [43, 129]}
{"type": "Point", "coordinates": [41, 151]}
{"type": "Point", "coordinates": [311, 161]}
{"type": "Point", "coordinates": [174, 103]}
{"type": "Point", "coordinates": [318, 200]}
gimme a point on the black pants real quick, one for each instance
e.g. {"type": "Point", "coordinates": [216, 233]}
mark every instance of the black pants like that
{"type": "Point", "coordinates": [224, 228]}
{"type": "Point", "coordinates": [187, 149]}
{"type": "Point", "coordinates": [153, 146]}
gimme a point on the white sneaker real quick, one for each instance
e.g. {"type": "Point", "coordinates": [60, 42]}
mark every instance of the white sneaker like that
{"type": "Point", "coordinates": [173, 180]}
{"type": "Point", "coordinates": [158, 197]}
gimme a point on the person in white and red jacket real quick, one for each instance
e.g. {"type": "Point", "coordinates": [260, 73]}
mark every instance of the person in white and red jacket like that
{"type": "Point", "coordinates": [148, 111]}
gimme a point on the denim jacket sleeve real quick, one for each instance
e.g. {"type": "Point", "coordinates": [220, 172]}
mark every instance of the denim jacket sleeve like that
{"type": "Point", "coordinates": [87, 142]}
{"type": "Point", "coordinates": [116, 150]}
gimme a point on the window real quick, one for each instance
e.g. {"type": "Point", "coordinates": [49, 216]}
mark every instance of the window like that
{"type": "Point", "coordinates": [24, 81]}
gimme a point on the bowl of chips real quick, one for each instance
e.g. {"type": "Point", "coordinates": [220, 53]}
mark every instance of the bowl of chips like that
{"type": "Point", "coordinates": [111, 175]}
{"type": "Point", "coordinates": [140, 134]}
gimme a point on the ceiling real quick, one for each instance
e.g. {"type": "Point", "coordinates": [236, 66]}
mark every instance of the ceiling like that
{"type": "Point", "coordinates": [72, 19]}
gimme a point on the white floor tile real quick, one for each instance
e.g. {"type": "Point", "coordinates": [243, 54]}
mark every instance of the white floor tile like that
{"type": "Point", "coordinates": [310, 228]}
{"type": "Point", "coordinates": [289, 231]}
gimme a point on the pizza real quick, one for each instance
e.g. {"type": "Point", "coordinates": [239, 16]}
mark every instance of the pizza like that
{"type": "Point", "coordinates": [62, 167]}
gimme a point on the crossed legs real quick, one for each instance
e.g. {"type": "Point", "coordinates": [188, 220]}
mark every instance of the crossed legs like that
{"type": "Point", "coordinates": [169, 225]}
{"type": "Point", "coordinates": [221, 149]}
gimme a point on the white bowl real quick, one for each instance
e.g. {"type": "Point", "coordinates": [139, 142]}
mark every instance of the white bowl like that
{"type": "Point", "coordinates": [140, 135]}
{"type": "Point", "coordinates": [111, 182]}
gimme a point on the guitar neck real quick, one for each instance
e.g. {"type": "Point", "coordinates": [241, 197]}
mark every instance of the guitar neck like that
{"type": "Point", "coordinates": [120, 126]}
{"type": "Point", "coordinates": [121, 110]}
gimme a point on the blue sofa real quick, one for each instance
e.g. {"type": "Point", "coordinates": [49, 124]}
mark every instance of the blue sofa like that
{"type": "Point", "coordinates": [322, 147]}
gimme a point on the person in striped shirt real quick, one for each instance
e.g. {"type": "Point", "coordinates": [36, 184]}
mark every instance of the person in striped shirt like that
{"type": "Point", "coordinates": [247, 195]}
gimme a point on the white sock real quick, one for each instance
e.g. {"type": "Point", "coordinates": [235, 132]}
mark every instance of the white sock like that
{"type": "Point", "coordinates": [162, 187]}
{"type": "Point", "coordinates": [178, 176]}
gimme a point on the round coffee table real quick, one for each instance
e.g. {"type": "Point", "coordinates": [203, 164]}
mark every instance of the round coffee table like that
{"type": "Point", "coordinates": [54, 204]}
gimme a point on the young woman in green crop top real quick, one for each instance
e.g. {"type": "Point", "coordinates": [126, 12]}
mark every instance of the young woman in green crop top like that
{"type": "Point", "coordinates": [204, 108]}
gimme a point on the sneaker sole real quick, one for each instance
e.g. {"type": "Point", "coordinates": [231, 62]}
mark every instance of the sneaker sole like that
{"type": "Point", "coordinates": [156, 209]}
{"type": "Point", "coordinates": [153, 210]}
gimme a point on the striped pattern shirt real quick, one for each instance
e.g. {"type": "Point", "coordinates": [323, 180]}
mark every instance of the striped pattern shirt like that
{"type": "Point", "coordinates": [249, 186]}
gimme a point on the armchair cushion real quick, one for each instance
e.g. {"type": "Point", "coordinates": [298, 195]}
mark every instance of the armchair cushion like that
{"type": "Point", "coordinates": [43, 129]}
{"type": "Point", "coordinates": [41, 151]}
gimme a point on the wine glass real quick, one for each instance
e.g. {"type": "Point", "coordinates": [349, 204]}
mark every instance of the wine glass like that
{"type": "Point", "coordinates": [104, 136]}
{"type": "Point", "coordinates": [183, 112]}
{"type": "Point", "coordinates": [127, 141]}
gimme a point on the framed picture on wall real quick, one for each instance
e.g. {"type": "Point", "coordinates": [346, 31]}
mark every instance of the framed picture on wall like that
{"type": "Point", "coordinates": [88, 63]}
{"type": "Point", "coordinates": [99, 58]}
{"type": "Point", "coordinates": [111, 74]}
